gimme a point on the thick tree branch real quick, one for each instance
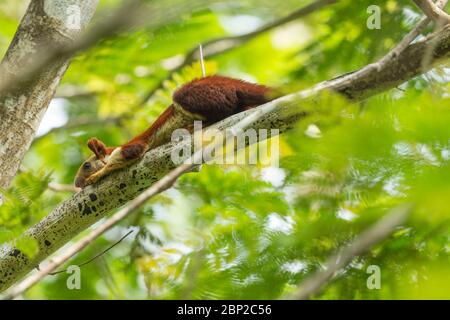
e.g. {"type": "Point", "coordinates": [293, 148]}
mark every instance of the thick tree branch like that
{"type": "Point", "coordinates": [376, 78]}
{"type": "Point", "coordinates": [402, 45]}
{"type": "Point", "coordinates": [433, 11]}
{"type": "Point", "coordinates": [94, 202]}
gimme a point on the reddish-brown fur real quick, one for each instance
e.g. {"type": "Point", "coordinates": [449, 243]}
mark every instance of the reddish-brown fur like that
{"type": "Point", "coordinates": [136, 147]}
{"type": "Point", "coordinates": [210, 99]}
{"type": "Point", "coordinates": [147, 134]}
{"type": "Point", "coordinates": [213, 98]}
{"type": "Point", "coordinates": [218, 97]}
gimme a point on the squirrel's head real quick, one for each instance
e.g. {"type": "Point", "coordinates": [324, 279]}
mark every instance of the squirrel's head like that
{"type": "Point", "coordinates": [93, 164]}
{"type": "Point", "coordinates": [87, 168]}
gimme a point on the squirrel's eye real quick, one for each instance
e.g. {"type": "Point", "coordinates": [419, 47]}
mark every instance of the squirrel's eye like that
{"type": "Point", "coordinates": [86, 165]}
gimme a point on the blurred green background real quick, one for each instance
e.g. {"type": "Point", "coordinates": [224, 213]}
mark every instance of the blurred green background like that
{"type": "Point", "coordinates": [252, 232]}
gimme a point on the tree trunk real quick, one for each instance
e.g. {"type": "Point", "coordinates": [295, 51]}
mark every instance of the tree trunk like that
{"type": "Point", "coordinates": [46, 23]}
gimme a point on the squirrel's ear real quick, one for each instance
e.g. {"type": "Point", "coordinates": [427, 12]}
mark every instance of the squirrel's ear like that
{"type": "Point", "coordinates": [97, 147]}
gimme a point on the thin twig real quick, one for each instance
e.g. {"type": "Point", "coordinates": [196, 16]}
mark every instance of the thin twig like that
{"type": "Point", "coordinates": [97, 255]}
{"type": "Point", "coordinates": [58, 187]}
{"type": "Point", "coordinates": [202, 60]}
{"type": "Point", "coordinates": [70, 93]}
{"type": "Point", "coordinates": [375, 234]}
{"type": "Point", "coordinates": [83, 122]}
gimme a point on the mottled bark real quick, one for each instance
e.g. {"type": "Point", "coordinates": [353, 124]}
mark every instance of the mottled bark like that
{"type": "Point", "coordinates": [46, 24]}
{"type": "Point", "coordinates": [94, 202]}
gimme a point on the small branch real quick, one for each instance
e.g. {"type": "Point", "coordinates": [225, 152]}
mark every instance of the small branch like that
{"type": "Point", "coordinates": [71, 93]}
{"type": "Point", "coordinates": [81, 122]}
{"type": "Point", "coordinates": [372, 236]}
{"type": "Point", "coordinates": [94, 257]}
{"type": "Point", "coordinates": [224, 44]}
{"type": "Point", "coordinates": [433, 12]}
{"type": "Point", "coordinates": [427, 57]}
{"type": "Point", "coordinates": [62, 187]}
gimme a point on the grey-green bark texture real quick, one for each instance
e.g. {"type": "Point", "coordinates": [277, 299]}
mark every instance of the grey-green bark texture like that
{"type": "Point", "coordinates": [46, 23]}
{"type": "Point", "coordinates": [94, 202]}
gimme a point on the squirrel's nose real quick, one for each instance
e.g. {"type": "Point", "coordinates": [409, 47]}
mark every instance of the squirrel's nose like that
{"type": "Point", "coordinates": [79, 182]}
